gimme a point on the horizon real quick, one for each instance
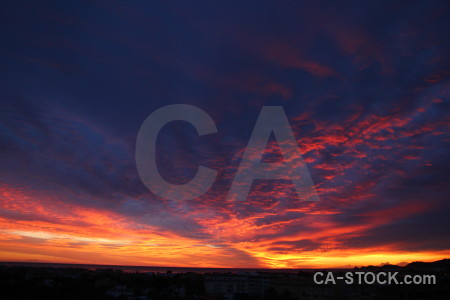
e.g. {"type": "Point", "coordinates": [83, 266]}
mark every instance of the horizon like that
{"type": "Point", "coordinates": [226, 134]}
{"type": "Point", "coordinates": [27, 263]}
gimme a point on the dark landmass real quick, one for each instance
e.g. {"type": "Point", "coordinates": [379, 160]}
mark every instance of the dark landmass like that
{"type": "Point", "coordinates": [59, 281]}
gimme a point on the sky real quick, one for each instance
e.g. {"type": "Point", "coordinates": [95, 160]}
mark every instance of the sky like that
{"type": "Point", "coordinates": [365, 87]}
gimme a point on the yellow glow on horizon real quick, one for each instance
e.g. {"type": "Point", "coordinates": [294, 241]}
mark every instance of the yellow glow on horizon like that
{"type": "Point", "coordinates": [93, 236]}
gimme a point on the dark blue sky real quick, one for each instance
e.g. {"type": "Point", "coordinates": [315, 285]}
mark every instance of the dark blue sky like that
{"type": "Point", "coordinates": [365, 86]}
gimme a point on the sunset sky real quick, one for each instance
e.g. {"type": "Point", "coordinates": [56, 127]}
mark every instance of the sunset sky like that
{"type": "Point", "coordinates": [365, 87]}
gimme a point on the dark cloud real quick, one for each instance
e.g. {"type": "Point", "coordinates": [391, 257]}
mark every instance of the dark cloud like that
{"type": "Point", "coordinates": [365, 87]}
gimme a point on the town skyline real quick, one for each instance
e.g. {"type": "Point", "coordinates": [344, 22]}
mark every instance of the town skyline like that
{"type": "Point", "coordinates": [364, 87]}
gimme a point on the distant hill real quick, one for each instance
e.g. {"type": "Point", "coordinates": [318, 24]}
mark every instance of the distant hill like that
{"type": "Point", "coordinates": [442, 265]}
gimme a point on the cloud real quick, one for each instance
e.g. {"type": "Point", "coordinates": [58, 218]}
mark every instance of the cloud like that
{"type": "Point", "coordinates": [365, 88]}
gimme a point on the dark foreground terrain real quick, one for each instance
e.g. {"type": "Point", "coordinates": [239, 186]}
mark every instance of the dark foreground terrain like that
{"type": "Point", "coordinates": [43, 282]}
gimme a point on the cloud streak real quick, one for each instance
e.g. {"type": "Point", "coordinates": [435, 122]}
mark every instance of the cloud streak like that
{"type": "Point", "coordinates": [366, 91]}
